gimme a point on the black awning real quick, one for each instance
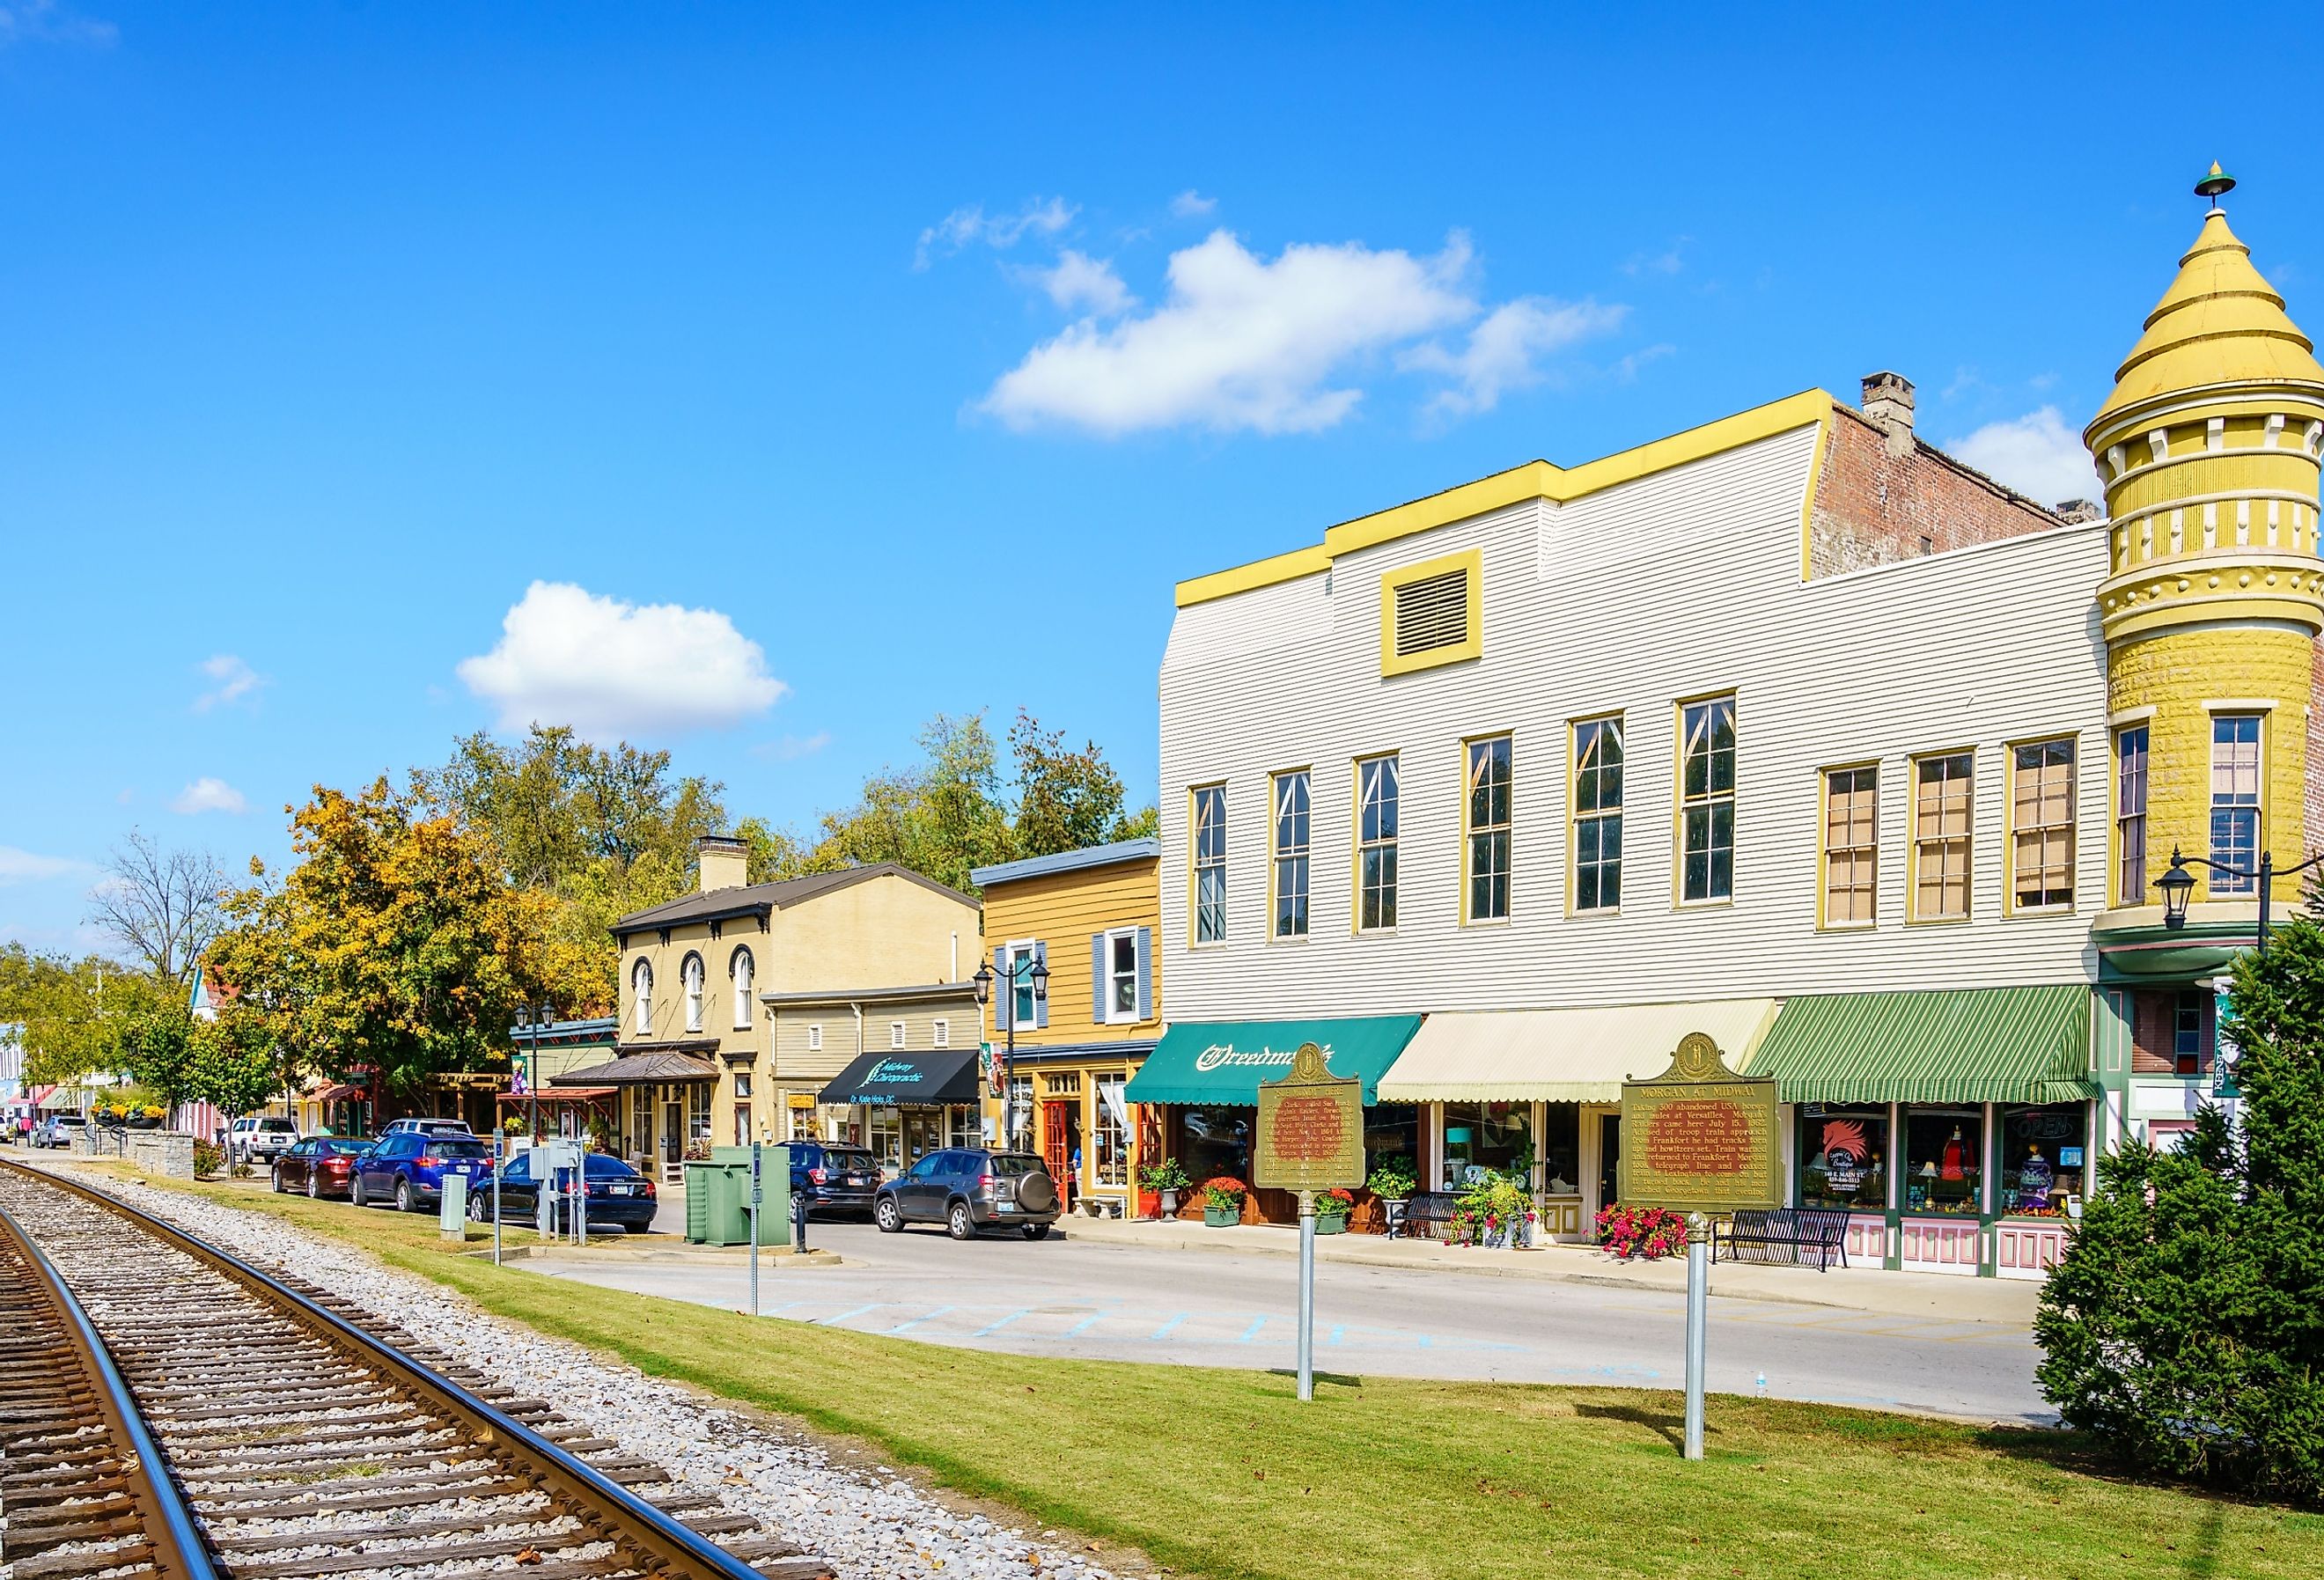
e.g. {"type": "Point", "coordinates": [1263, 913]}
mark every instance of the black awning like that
{"type": "Point", "coordinates": [886, 1079]}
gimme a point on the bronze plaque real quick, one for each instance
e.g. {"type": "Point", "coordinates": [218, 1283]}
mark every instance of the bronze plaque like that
{"type": "Point", "coordinates": [1699, 1138]}
{"type": "Point", "coordinates": [1311, 1128]}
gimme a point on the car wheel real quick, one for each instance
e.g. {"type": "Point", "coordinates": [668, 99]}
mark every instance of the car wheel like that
{"type": "Point", "coordinates": [1036, 1231]}
{"type": "Point", "coordinates": [479, 1210]}
{"type": "Point", "coordinates": [276, 1175]}
{"type": "Point", "coordinates": [958, 1224]}
{"type": "Point", "coordinates": [355, 1190]}
{"type": "Point", "coordinates": [636, 1228]}
{"type": "Point", "coordinates": [885, 1214]}
{"type": "Point", "coordinates": [405, 1201]}
{"type": "Point", "coordinates": [314, 1187]}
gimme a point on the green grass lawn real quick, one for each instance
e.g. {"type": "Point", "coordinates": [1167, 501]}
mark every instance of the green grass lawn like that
{"type": "Point", "coordinates": [1226, 1475]}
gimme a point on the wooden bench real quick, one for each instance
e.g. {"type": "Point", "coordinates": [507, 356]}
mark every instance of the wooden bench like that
{"type": "Point", "coordinates": [1426, 1212]}
{"type": "Point", "coordinates": [1784, 1234]}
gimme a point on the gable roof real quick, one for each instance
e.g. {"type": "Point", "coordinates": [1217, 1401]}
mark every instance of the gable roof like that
{"type": "Point", "coordinates": [1069, 861]}
{"type": "Point", "coordinates": [764, 898]}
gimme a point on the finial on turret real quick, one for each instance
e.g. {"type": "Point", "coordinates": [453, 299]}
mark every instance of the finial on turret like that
{"type": "Point", "coordinates": [2216, 185]}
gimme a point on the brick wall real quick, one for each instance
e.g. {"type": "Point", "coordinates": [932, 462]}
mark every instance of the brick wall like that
{"type": "Point", "coordinates": [1872, 508]}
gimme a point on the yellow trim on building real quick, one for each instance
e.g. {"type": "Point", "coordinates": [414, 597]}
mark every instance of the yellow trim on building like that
{"type": "Point", "coordinates": [1472, 645]}
{"type": "Point", "coordinates": [1533, 480]}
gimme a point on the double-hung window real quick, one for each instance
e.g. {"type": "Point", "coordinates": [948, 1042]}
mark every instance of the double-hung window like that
{"type": "Point", "coordinates": [1375, 827]}
{"type": "Point", "coordinates": [1115, 957]}
{"type": "Point", "coordinates": [2041, 824]}
{"type": "Point", "coordinates": [1851, 845]}
{"type": "Point", "coordinates": [2130, 815]}
{"type": "Point", "coordinates": [1210, 851]}
{"type": "Point", "coordinates": [693, 975]}
{"type": "Point", "coordinates": [641, 990]}
{"type": "Point", "coordinates": [1941, 836]}
{"type": "Point", "coordinates": [1707, 800]}
{"type": "Point", "coordinates": [2235, 802]}
{"type": "Point", "coordinates": [1293, 803]}
{"type": "Point", "coordinates": [1489, 829]}
{"type": "Point", "coordinates": [1598, 815]}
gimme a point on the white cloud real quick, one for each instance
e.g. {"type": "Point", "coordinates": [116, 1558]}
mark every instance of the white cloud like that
{"type": "Point", "coordinates": [1668, 262]}
{"type": "Point", "coordinates": [791, 748]}
{"type": "Point", "coordinates": [608, 669]}
{"type": "Point", "coordinates": [1080, 281]}
{"type": "Point", "coordinates": [2036, 454]}
{"type": "Point", "coordinates": [46, 21]}
{"type": "Point", "coordinates": [209, 795]}
{"type": "Point", "coordinates": [967, 227]}
{"type": "Point", "coordinates": [1241, 342]}
{"type": "Point", "coordinates": [1505, 349]}
{"type": "Point", "coordinates": [235, 680]}
{"type": "Point", "coordinates": [1192, 205]}
{"type": "Point", "coordinates": [25, 866]}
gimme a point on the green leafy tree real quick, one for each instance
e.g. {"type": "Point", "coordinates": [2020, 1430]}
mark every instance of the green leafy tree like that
{"type": "Point", "coordinates": [1065, 799]}
{"type": "Point", "coordinates": [157, 1051]}
{"type": "Point", "coordinates": [232, 1063]}
{"type": "Point", "coordinates": [2185, 1323]}
{"type": "Point", "coordinates": [73, 1012]}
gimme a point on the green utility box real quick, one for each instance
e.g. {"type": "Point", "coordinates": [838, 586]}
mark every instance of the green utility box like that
{"type": "Point", "coordinates": [718, 1198]}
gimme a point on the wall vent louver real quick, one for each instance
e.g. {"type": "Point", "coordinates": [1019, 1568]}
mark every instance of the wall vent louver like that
{"type": "Point", "coordinates": [1432, 612]}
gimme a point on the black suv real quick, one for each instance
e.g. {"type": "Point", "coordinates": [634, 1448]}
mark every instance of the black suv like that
{"type": "Point", "coordinates": [968, 1188]}
{"type": "Point", "coordinates": [832, 1178]}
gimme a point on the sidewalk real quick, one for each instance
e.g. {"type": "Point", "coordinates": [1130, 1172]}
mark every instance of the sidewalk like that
{"type": "Point", "coordinates": [1870, 1290]}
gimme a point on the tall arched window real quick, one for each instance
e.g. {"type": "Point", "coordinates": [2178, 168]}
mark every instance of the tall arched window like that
{"type": "Point", "coordinates": [641, 985]}
{"type": "Point", "coordinates": [694, 993]}
{"type": "Point", "coordinates": [740, 970]}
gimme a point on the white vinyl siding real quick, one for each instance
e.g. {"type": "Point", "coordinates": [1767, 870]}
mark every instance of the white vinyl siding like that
{"type": "Point", "coordinates": [1290, 674]}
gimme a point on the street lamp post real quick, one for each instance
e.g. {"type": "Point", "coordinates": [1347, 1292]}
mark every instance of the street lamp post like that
{"type": "Point", "coordinates": [532, 1072]}
{"type": "Point", "coordinates": [1039, 977]}
{"type": "Point", "coordinates": [2177, 886]}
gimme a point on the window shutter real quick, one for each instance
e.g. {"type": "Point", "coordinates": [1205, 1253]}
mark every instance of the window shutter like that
{"type": "Point", "coordinates": [1098, 979]}
{"type": "Point", "coordinates": [1040, 1004]}
{"type": "Point", "coordinates": [1146, 974]}
{"type": "Point", "coordinates": [1004, 992]}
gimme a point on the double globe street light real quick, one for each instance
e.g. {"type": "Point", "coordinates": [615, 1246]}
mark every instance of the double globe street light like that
{"type": "Point", "coordinates": [1023, 969]}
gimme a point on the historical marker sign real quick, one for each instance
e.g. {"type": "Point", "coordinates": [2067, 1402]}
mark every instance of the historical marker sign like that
{"type": "Point", "coordinates": [1311, 1128]}
{"type": "Point", "coordinates": [1699, 1138]}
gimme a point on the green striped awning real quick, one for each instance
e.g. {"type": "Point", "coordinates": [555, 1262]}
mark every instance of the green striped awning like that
{"type": "Point", "coordinates": [1964, 1045]}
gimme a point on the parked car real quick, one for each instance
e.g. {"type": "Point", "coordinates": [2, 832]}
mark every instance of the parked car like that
{"type": "Point", "coordinates": [428, 1127]}
{"type": "Point", "coordinates": [411, 1169]}
{"type": "Point", "coordinates": [59, 1130]}
{"type": "Point", "coordinates": [259, 1138]}
{"type": "Point", "coordinates": [619, 1196]}
{"type": "Point", "coordinates": [832, 1178]}
{"type": "Point", "coordinates": [968, 1188]}
{"type": "Point", "coordinates": [320, 1166]}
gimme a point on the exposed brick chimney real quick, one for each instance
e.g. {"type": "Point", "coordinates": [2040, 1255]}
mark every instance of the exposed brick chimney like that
{"type": "Point", "coordinates": [725, 861]}
{"type": "Point", "coordinates": [1889, 403]}
{"type": "Point", "coordinates": [2076, 511]}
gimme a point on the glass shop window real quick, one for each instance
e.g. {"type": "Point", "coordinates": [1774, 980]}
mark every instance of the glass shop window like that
{"type": "Point", "coordinates": [1486, 1137]}
{"type": "Point", "coordinates": [1943, 1150]}
{"type": "Point", "coordinates": [1560, 1149]}
{"type": "Point", "coordinates": [2042, 1154]}
{"type": "Point", "coordinates": [1843, 1152]}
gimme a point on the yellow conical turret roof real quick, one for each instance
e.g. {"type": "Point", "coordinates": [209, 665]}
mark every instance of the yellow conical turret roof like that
{"type": "Point", "coordinates": [2220, 323]}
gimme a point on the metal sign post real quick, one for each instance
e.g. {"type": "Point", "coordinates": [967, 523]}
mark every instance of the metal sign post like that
{"type": "Point", "coordinates": [581, 1193]}
{"type": "Point", "coordinates": [1698, 1139]}
{"type": "Point", "coordinates": [500, 1158]}
{"type": "Point", "coordinates": [755, 1228]}
{"type": "Point", "coordinates": [1310, 1138]}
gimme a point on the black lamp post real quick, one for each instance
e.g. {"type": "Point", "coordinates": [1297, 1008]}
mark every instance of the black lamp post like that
{"type": "Point", "coordinates": [2177, 886]}
{"type": "Point", "coordinates": [1038, 976]}
{"type": "Point", "coordinates": [532, 1070]}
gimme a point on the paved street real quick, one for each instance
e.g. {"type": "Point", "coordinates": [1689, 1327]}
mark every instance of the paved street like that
{"type": "Point", "coordinates": [1215, 1308]}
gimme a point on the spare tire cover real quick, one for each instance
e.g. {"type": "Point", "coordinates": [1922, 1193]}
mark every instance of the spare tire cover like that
{"type": "Point", "coordinates": [1037, 1193]}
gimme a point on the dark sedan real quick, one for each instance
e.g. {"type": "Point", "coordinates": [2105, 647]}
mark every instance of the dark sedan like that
{"type": "Point", "coordinates": [619, 1196]}
{"type": "Point", "coordinates": [832, 1178]}
{"type": "Point", "coordinates": [320, 1166]}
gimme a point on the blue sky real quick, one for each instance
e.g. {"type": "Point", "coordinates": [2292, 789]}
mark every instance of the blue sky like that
{"type": "Point", "coordinates": [758, 380]}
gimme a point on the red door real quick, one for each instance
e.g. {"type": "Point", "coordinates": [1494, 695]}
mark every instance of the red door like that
{"type": "Point", "coordinates": [1057, 1146]}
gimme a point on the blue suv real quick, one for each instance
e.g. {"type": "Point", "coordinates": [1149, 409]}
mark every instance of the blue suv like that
{"type": "Point", "coordinates": [409, 1169]}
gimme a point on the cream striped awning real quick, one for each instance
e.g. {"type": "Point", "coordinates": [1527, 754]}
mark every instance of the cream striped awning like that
{"type": "Point", "coordinates": [1562, 1055]}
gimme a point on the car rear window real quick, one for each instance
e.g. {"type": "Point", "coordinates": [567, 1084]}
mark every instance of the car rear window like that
{"type": "Point", "coordinates": [837, 1158]}
{"type": "Point", "coordinates": [1013, 1165]}
{"type": "Point", "coordinates": [277, 1124]}
{"type": "Point", "coordinates": [455, 1147]}
{"type": "Point", "coordinates": [602, 1166]}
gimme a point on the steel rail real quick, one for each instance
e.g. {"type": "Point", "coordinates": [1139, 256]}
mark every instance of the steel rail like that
{"type": "Point", "coordinates": [666, 1544]}
{"type": "Point", "coordinates": [179, 1551]}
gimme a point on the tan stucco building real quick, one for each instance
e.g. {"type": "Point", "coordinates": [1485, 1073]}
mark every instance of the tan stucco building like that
{"type": "Point", "coordinates": [695, 1054]}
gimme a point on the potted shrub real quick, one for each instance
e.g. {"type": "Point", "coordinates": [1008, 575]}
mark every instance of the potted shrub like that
{"type": "Point", "coordinates": [1391, 1184]}
{"type": "Point", "coordinates": [1223, 1201]}
{"type": "Point", "coordinates": [1332, 1209]}
{"type": "Point", "coordinates": [149, 1117]}
{"type": "Point", "coordinates": [1167, 1179]}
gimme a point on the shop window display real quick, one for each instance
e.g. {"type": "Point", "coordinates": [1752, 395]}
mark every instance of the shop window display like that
{"type": "Point", "coordinates": [1392, 1136]}
{"type": "Point", "coordinates": [1496, 1137]}
{"type": "Point", "coordinates": [1943, 1150]}
{"type": "Point", "coordinates": [1218, 1142]}
{"type": "Point", "coordinates": [1843, 1152]}
{"type": "Point", "coordinates": [2041, 1155]}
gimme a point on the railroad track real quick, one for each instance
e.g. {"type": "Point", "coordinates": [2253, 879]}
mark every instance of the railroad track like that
{"type": "Point", "coordinates": [250, 1428]}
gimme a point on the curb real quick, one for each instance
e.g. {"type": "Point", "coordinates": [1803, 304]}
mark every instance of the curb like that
{"type": "Point", "coordinates": [771, 1260]}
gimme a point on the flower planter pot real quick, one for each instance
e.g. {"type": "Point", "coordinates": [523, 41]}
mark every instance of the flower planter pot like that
{"type": "Point", "coordinates": [1331, 1224]}
{"type": "Point", "coordinates": [1169, 1204]}
{"type": "Point", "coordinates": [139, 1122]}
{"type": "Point", "coordinates": [1222, 1217]}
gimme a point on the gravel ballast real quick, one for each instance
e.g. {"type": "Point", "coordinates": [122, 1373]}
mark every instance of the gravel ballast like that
{"type": "Point", "coordinates": [868, 1522]}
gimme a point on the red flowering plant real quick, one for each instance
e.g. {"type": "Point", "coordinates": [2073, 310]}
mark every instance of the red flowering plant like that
{"type": "Point", "coordinates": [1224, 1193]}
{"type": "Point", "coordinates": [1643, 1234]}
{"type": "Point", "coordinates": [1334, 1202]}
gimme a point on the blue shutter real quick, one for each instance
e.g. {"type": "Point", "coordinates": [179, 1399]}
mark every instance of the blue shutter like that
{"type": "Point", "coordinates": [1145, 973]}
{"type": "Point", "coordinates": [1040, 1004]}
{"type": "Point", "coordinates": [1098, 982]}
{"type": "Point", "coordinates": [1004, 996]}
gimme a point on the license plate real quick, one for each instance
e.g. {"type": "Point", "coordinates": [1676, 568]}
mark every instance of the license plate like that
{"type": "Point", "coordinates": [620, 1191]}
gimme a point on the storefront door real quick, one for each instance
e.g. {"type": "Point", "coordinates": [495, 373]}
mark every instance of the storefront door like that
{"type": "Point", "coordinates": [1061, 1136]}
{"type": "Point", "coordinates": [924, 1132]}
{"type": "Point", "coordinates": [673, 1130]}
{"type": "Point", "coordinates": [1610, 1157]}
